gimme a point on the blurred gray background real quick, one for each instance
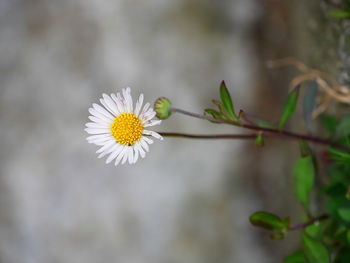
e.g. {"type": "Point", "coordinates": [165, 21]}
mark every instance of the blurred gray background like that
{"type": "Point", "coordinates": [188, 200]}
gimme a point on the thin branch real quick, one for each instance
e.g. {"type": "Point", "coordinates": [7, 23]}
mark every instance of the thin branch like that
{"type": "Point", "coordinates": [312, 221]}
{"type": "Point", "coordinates": [208, 136]}
{"type": "Point", "coordinates": [199, 116]}
{"type": "Point", "coordinates": [271, 131]}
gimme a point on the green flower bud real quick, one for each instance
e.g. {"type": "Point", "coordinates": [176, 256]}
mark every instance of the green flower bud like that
{"type": "Point", "coordinates": [162, 108]}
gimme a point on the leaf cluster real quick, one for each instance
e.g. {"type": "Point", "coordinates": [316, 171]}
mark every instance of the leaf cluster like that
{"type": "Point", "coordinates": [325, 225]}
{"type": "Point", "coordinates": [325, 238]}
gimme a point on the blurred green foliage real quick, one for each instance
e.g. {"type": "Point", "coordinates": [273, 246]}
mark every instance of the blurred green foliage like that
{"type": "Point", "coordinates": [325, 231]}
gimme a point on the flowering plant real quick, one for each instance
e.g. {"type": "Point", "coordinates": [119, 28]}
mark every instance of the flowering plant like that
{"type": "Point", "coordinates": [120, 130]}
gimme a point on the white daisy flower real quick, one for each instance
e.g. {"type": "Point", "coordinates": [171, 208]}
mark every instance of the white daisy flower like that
{"type": "Point", "coordinates": [120, 129]}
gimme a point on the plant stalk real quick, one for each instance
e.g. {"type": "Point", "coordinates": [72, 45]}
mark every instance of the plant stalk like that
{"type": "Point", "coordinates": [209, 136]}
{"type": "Point", "coordinates": [271, 131]}
{"type": "Point", "coordinates": [312, 221]}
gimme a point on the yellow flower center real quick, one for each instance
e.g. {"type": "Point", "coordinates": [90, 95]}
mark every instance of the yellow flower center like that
{"type": "Point", "coordinates": [127, 129]}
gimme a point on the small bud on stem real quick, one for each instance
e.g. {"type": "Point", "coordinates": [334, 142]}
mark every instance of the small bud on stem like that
{"type": "Point", "coordinates": [162, 108]}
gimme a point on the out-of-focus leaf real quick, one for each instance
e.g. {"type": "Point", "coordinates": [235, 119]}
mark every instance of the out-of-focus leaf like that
{"type": "Point", "coordinates": [309, 103]}
{"type": "Point", "coordinates": [304, 174]}
{"type": "Point", "coordinates": [344, 213]}
{"type": "Point", "coordinates": [259, 141]}
{"type": "Point", "coordinates": [305, 149]}
{"type": "Point", "coordinates": [277, 235]}
{"type": "Point", "coordinates": [220, 106]}
{"type": "Point", "coordinates": [347, 196]}
{"type": "Point", "coordinates": [289, 107]}
{"type": "Point", "coordinates": [343, 128]}
{"type": "Point", "coordinates": [339, 14]}
{"type": "Point", "coordinates": [227, 101]}
{"type": "Point", "coordinates": [329, 123]}
{"type": "Point", "coordinates": [334, 203]}
{"type": "Point", "coordinates": [268, 221]}
{"type": "Point", "coordinates": [348, 237]}
{"type": "Point", "coordinates": [314, 231]}
{"type": "Point", "coordinates": [339, 156]}
{"type": "Point", "coordinates": [296, 257]}
{"type": "Point", "coordinates": [314, 250]}
{"type": "Point", "coordinates": [343, 256]}
{"type": "Point", "coordinates": [215, 114]}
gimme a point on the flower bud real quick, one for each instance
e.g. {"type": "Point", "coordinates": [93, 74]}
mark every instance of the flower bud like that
{"type": "Point", "coordinates": [162, 108]}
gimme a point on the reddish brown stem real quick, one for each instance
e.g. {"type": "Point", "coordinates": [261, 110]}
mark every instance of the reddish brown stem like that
{"type": "Point", "coordinates": [312, 221]}
{"type": "Point", "coordinates": [270, 131]}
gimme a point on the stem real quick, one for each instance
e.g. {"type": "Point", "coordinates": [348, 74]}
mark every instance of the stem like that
{"type": "Point", "coordinates": [208, 136]}
{"type": "Point", "coordinates": [275, 132]}
{"type": "Point", "coordinates": [199, 116]}
{"type": "Point", "coordinates": [313, 220]}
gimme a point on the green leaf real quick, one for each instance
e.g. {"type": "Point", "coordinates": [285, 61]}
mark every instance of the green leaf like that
{"type": "Point", "coordinates": [268, 221]}
{"type": "Point", "coordinates": [289, 107]}
{"type": "Point", "coordinates": [336, 202]}
{"type": "Point", "coordinates": [227, 101]}
{"type": "Point", "coordinates": [296, 257]}
{"type": "Point", "coordinates": [305, 149]}
{"type": "Point", "coordinates": [220, 106]}
{"type": "Point", "coordinates": [314, 250]}
{"type": "Point", "coordinates": [259, 141]}
{"type": "Point", "coordinates": [343, 256]}
{"type": "Point", "coordinates": [329, 123]}
{"type": "Point", "coordinates": [348, 236]}
{"type": "Point", "coordinates": [339, 14]}
{"type": "Point", "coordinates": [215, 114]}
{"type": "Point", "coordinates": [344, 213]}
{"type": "Point", "coordinates": [339, 155]}
{"type": "Point", "coordinates": [304, 174]}
{"type": "Point", "coordinates": [343, 128]}
{"type": "Point", "coordinates": [315, 231]}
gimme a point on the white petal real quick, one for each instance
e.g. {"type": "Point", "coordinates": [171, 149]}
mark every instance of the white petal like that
{"type": "Point", "coordinates": [99, 115]}
{"type": "Point", "coordinates": [96, 125]}
{"type": "Point", "coordinates": [128, 99]}
{"type": "Point", "coordinates": [112, 149]}
{"type": "Point", "coordinates": [131, 155]}
{"type": "Point", "coordinates": [98, 137]}
{"type": "Point", "coordinates": [125, 157]}
{"type": "Point", "coordinates": [144, 145]}
{"type": "Point", "coordinates": [111, 104]}
{"type": "Point", "coordinates": [148, 115]}
{"type": "Point", "coordinates": [106, 106]}
{"type": "Point", "coordinates": [136, 154]}
{"type": "Point", "coordinates": [152, 123]}
{"type": "Point", "coordinates": [138, 105]}
{"type": "Point", "coordinates": [139, 148]}
{"type": "Point", "coordinates": [97, 131]}
{"type": "Point", "coordinates": [120, 97]}
{"type": "Point", "coordinates": [97, 120]}
{"type": "Point", "coordinates": [98, 143]}
{"type": "Point", "coordinates": [101, 141]}
{"type": "Point", "coordinates": [107, 145]}
{"type": "Point", "coordinates": [119, 103]}
{"type": "Point", "coordinates": [148, 140]}
{"type": "Point", "coordinates": [102, 111]}
{"type": "Point", "coordinates": [153, 133]}
{"type": "Point", "coordinates": [121, 155]}
{"type": "Point", "coordinates": [148, 111]}
{"type": "Point", "coordinates": [145, 108]}
{"type": "Point", "coordinates": [114, 154]}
